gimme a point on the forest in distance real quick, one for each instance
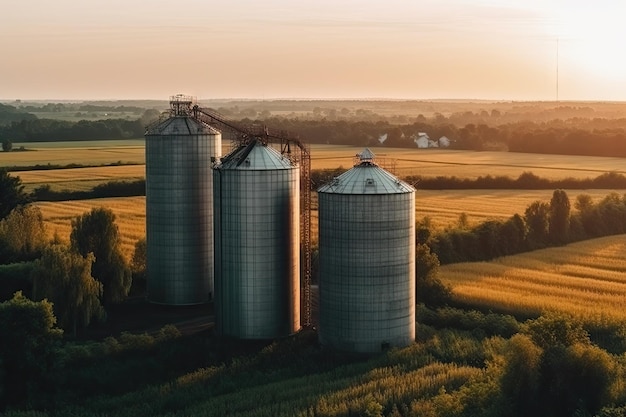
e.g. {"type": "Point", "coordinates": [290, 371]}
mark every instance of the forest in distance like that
{"type": "Point", "coordinates": [570, 128]}
{"type": "Point", "coordinates": [477, 353]}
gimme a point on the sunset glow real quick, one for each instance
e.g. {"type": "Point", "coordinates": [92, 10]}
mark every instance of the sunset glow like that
{"type": "Point", "coordinates": [471, 49]}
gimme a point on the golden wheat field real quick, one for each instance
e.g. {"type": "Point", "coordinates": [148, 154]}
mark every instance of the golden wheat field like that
{"type": "Point", "coordinates": [468, 164]}
{"type": "Point", "coordinates": [80, 179]}
{"type": "Point", "coordinates": [586, 279]}
{"type": "Point", "coordinates": [98, 154]}
{"type": "Point", "coordinates": [401, 161]}
{"type": "Point", "coordinates": [444, 207]}
{"type": "Point", "coordinates": [583, 277]}
{"type": "Point", "coordinates": [130, 213]}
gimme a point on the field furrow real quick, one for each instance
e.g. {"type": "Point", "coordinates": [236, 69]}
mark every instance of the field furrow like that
{"type": "Point", "coordinates": [573, 279]}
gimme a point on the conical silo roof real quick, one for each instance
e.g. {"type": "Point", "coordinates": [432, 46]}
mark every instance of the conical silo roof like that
{"type": "Point", "coordinates": [366, 178]}
{"type": "Point", "coordinates": [255, 156]}
{"type": "Point", "coordinates": [181, 125]}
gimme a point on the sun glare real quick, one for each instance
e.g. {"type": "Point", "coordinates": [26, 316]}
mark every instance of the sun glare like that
{"type": "Point", "coordinates": [591, 37]}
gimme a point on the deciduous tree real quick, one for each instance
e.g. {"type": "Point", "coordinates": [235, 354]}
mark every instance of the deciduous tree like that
{"type": "Point", "coordinates": [7, 145]}
{"type": "Point", "coordinates": [26, 347]}
{"type": "Point", "coordinates": [11, 193]}
{"type": "Point", "coordinates": [558, 228]}
{"type": "Point", "coordinates": [64, 277]}
{"type": "Point", "coordinates": [96, 232]}
{"type": "Point", "coordinates": [22, 234]}
{"type": "Point", "coordinates": [537, 220]}
{"type": "Point", "coordinates": [428, 287]}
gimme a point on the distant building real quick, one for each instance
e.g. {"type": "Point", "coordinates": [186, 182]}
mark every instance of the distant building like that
{"type": "Point", "coordinates": [421, 140]}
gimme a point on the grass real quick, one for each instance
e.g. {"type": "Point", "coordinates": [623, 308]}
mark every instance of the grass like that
{"type": "Point", "coordinates": [586, 279]}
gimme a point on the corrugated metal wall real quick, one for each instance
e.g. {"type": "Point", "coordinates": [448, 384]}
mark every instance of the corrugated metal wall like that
{"type": "Point", "coordinates": [367, 265]}
{"type": "Point", "coordinates": [179, 211]}
{"type": "Point", "coordinates": [257, 255]}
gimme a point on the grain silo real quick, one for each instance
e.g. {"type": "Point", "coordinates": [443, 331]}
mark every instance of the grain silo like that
{"type": "Point", "coordinates": [179, 206]}
{"type": "Point", "coordinates": [257, 255]}
{"type": "Point", "coordinates": [367, 260]}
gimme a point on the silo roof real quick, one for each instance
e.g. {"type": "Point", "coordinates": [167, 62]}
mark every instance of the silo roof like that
{"type": "Point", "coordinates": [366, 178]}
{"type": "Point", "coordinates": [255, 156]}
{"type": "Point", "coordinates": [181, 125]}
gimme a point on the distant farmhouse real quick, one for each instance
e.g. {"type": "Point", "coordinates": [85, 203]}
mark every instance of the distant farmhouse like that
{"type": "Point", "coordinates": [422, 140]}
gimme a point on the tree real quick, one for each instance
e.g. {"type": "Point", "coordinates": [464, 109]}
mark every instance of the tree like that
{"type": "Point", "coordinates": [520, 379]}
{"type": "Point", "coordinates": [22, 234]}
{"type": "Point", "coordinates": [138, 265]}
{"type": "Point", "coordinates": [11, 193]}
{"type": "Point", "coordinates": [7, 145]}
{"type": "Point", "coordinates": [536, 216]}
{"type": "Point", "coordinates": [556, 330]}
{"type": "Point", "coordinates": [64, 277]}
{"type": "Point", "coordinates": [513, 235]}
{"type": "Point", "coordinates": [574, 377]}
{"type": "Point", "coordinates": [428, 287]}
{"type": "Point", "coordinates": [587, 211]}
{"type": "Point", "coordinates": [558, 227]}
{"type": "Point", "coordinates": [26, 347]}
{"type": "Point", "coordinates": [96, 232]}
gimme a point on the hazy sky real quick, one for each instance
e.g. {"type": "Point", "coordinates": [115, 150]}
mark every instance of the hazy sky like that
{"type": "Point", "coordinates": [423, 49]}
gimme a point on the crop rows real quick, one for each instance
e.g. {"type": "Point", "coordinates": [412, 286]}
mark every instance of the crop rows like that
{"type": "Point", "coordinates": [444, 207]}
{"type": "Point", "coordinates": [586, 279]}
{"type": "Point", "coordinates": [130, 213]}
{"type": "Point", "coordinates": [402, 162]}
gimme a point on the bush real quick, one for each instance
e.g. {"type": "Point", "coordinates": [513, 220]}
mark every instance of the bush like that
{"type": "Point", "coordinates": [16, 277]}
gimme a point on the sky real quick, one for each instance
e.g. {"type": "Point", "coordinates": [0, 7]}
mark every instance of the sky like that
{"type": "Point", "coordinates": [394, 49]}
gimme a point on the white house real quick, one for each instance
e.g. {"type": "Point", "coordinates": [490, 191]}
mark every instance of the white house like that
{"type": "Point", "coordinates": [444, 142]}
{"type": "Point", "coordinates": [421, 140]}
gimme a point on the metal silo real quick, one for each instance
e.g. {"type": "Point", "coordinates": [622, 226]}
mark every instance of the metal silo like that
{"type": "Point", "coordinates": [257, 256]}
{"type": "Point", "coordinates": [179, 206]}
{"type": "Point", "coordinates": [367, 260]}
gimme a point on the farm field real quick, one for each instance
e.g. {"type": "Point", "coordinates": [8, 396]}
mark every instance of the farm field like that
{"type": "Point", "coordinates": [468, 164]}
{"type": "Point", "coordinates": [402, 162]}
{"type": "Point", "coordinates": [586, 279]}
{"type": "Point", "coordinates": [86, 153]}
{"type": "Point", "coordinates": [130, 217]}
{"type": "Point", "coordinates": [80, 179]}
{"type": "Point", "coordinates": [442, 207]}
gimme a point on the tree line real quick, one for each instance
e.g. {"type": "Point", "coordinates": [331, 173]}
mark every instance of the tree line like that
{"type": "Point", "coordinates": [575, 136]}
{"type": "Point", "coordinates": [50, 130]}
{"type": "Point", "coordinates": [541, 225]}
